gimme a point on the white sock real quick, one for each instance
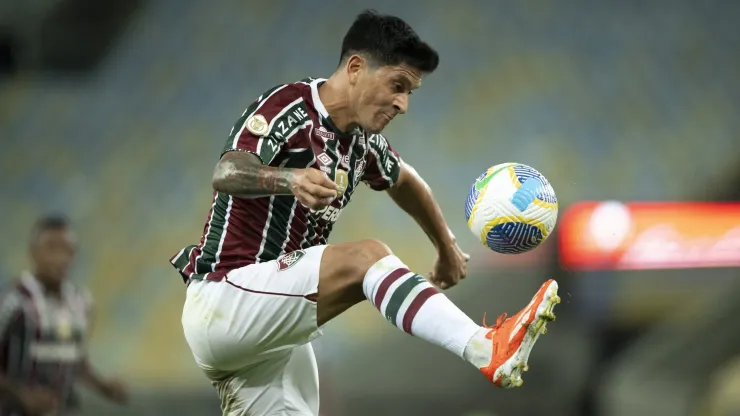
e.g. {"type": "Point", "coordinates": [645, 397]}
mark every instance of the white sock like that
{"type": "Point", "coordinates": [412, 304]}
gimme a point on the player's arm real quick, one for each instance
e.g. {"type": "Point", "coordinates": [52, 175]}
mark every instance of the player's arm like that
{"type": "Point", "coordinates": [412, 194]}
{"type": "Point", "coordinates": [243, 175]}
{"type": "Point", "coordinates": [112, 389]}
{"type": "Point", "coordinates": [386, 171]}
{"type": "Point", "coordinates": [268, 129]}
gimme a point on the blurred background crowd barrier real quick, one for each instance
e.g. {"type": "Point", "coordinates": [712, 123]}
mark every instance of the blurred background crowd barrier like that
{"type": "Point", "coordinates": [115, 113]}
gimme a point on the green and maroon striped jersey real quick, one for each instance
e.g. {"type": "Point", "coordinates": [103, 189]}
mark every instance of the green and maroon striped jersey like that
{"type": "Point", "coordinates": [43, 338]}
{"type": "Point", "coordinates": [286, 126]}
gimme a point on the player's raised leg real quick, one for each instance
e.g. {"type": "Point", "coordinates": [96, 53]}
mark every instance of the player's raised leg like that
{"type": "Point", "coordinates": [368, 269]}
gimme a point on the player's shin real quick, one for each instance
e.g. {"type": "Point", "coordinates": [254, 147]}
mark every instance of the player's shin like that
{"type": "Point", "coordinates": [411, 303]}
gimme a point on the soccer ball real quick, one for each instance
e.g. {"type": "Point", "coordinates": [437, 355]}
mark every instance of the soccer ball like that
{"type": "Point", "coordinates": [511, 208]}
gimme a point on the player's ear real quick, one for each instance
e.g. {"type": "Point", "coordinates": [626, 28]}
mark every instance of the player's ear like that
{"type": "Point", "coordinates": [355, 65]}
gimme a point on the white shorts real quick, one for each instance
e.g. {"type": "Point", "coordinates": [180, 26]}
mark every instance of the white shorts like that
{"type": "Point", "coordinates": [250, 334]}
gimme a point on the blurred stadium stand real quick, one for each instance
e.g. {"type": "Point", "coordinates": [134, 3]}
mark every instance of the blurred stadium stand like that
{"type": "Point", "coordinates": [60, 35]}
{"type": "Point", "coordinates": [621, 100]}
{"type": "Point", "coordinates": [669, 369]}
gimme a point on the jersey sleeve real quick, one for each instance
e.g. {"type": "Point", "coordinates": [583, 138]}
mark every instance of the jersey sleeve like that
{"type": "Point", "coordinates": [271, 124]}
{"type": "Point", "coordinates": [383, 164]}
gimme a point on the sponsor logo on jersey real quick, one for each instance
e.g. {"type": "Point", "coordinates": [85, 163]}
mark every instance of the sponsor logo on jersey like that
{"type": "Point", "coordinates": [286, 123]}
{"type": "Point", "coordinates": [287, 261]}
{"type": "Point", "coordinates": [324, 133]}
{"type": "Point", "coordinates": [344, 161]}
{"type": "Point", "coordinates": [257, 124]}
{"type": "Point", "coordinates": [388, 163]}
{"type": "Point", "coordinates": [379, 142]}
{"type": "Point", "coordinates": [329, 214]}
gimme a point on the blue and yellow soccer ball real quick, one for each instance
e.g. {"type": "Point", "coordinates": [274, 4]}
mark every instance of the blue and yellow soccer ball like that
{"type": "Point", "coordinates": [511, 208]}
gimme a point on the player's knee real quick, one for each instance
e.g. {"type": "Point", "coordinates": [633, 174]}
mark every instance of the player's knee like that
{"type": "Point", "coordinates": [373, 250]}
{"type": "Point", "coordinates": [368, 252]}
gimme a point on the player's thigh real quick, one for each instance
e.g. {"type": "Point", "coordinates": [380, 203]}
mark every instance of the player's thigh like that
{"type": "Point", "coordinates": [301, 381]}
{"type": "Point", "coordinates": [255, 312]}
{"type": "Point", "coordinates": [285, 385]}
{"type": "Point", "coordinates": [343, 269]}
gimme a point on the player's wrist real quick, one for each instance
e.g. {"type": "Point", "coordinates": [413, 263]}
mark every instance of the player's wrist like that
{"type": "Point", "coordinates": [445, 242]}
{"type": "Point", "coordinates": [293, 178]}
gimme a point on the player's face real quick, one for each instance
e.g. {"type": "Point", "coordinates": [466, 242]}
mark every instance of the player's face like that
{"type": "Point", "coordinates": [53, 253]}
{"type": "Point", "coordinates": [383, 93]}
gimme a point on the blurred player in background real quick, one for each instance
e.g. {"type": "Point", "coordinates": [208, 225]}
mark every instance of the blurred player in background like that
{"type": "Point", "coordinates": [44, 325]}
{"type": "Point", "coordinates": [263, 280]}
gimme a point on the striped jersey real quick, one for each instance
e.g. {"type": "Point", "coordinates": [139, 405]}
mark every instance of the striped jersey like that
{"type": "Point", "coordinates": [287, 126]}
{"type": "Point", "coordinates": [42, 337]}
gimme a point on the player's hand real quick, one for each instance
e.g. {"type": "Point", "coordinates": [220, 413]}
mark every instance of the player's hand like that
{"type": "Point", "coordinates": [313, 188]}
{"type": "Point", "coordinates": [38, 401]}
{"type": "Point", "coordinates": [115, 391]}
{"type": "Point", "coordinates": [451, 267]}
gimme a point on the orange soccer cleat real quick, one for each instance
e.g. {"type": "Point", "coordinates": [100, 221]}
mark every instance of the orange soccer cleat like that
{"type": "Point", "coordinates": [513, 338]}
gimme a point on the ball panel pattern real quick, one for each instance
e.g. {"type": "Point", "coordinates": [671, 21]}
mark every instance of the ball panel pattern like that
{"type": "Point", "coordinates": [511, 208]}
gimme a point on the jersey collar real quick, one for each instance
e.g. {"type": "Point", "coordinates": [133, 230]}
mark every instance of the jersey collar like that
{"type": "Point", "coordinates": [316, 100]}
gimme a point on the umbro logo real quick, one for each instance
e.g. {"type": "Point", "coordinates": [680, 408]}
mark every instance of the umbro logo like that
{"type": "Point", "coordinates": [324, 159]}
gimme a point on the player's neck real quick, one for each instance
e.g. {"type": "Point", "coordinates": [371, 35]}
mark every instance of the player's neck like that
{"type": "Point", "coordinates": [336, 102]}
{"type": "Point", "coordinates": [51, 286]}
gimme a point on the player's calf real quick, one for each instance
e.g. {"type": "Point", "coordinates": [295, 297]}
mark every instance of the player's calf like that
{"type": "Point", "coordinates": [408, 301]}
{"type": "Point", "coordinates": [369, 270]}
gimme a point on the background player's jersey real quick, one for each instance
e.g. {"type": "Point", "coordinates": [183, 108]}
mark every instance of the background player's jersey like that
{"type": "Point", "coordinates": [287, 126]}
{"type": "Point", "coordinates": [43, 338]}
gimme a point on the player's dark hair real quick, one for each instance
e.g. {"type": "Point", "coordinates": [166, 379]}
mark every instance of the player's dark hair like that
{"type": "Point", "coordinates": [388, 40]}
{"type": "Point", "coordinates": [50, 222]}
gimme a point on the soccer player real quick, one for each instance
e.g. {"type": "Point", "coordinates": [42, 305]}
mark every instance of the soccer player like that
{"type": "Point", "coordinates": [44, 322]}
{"type": "Point", "coordinates": [263, 280]}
